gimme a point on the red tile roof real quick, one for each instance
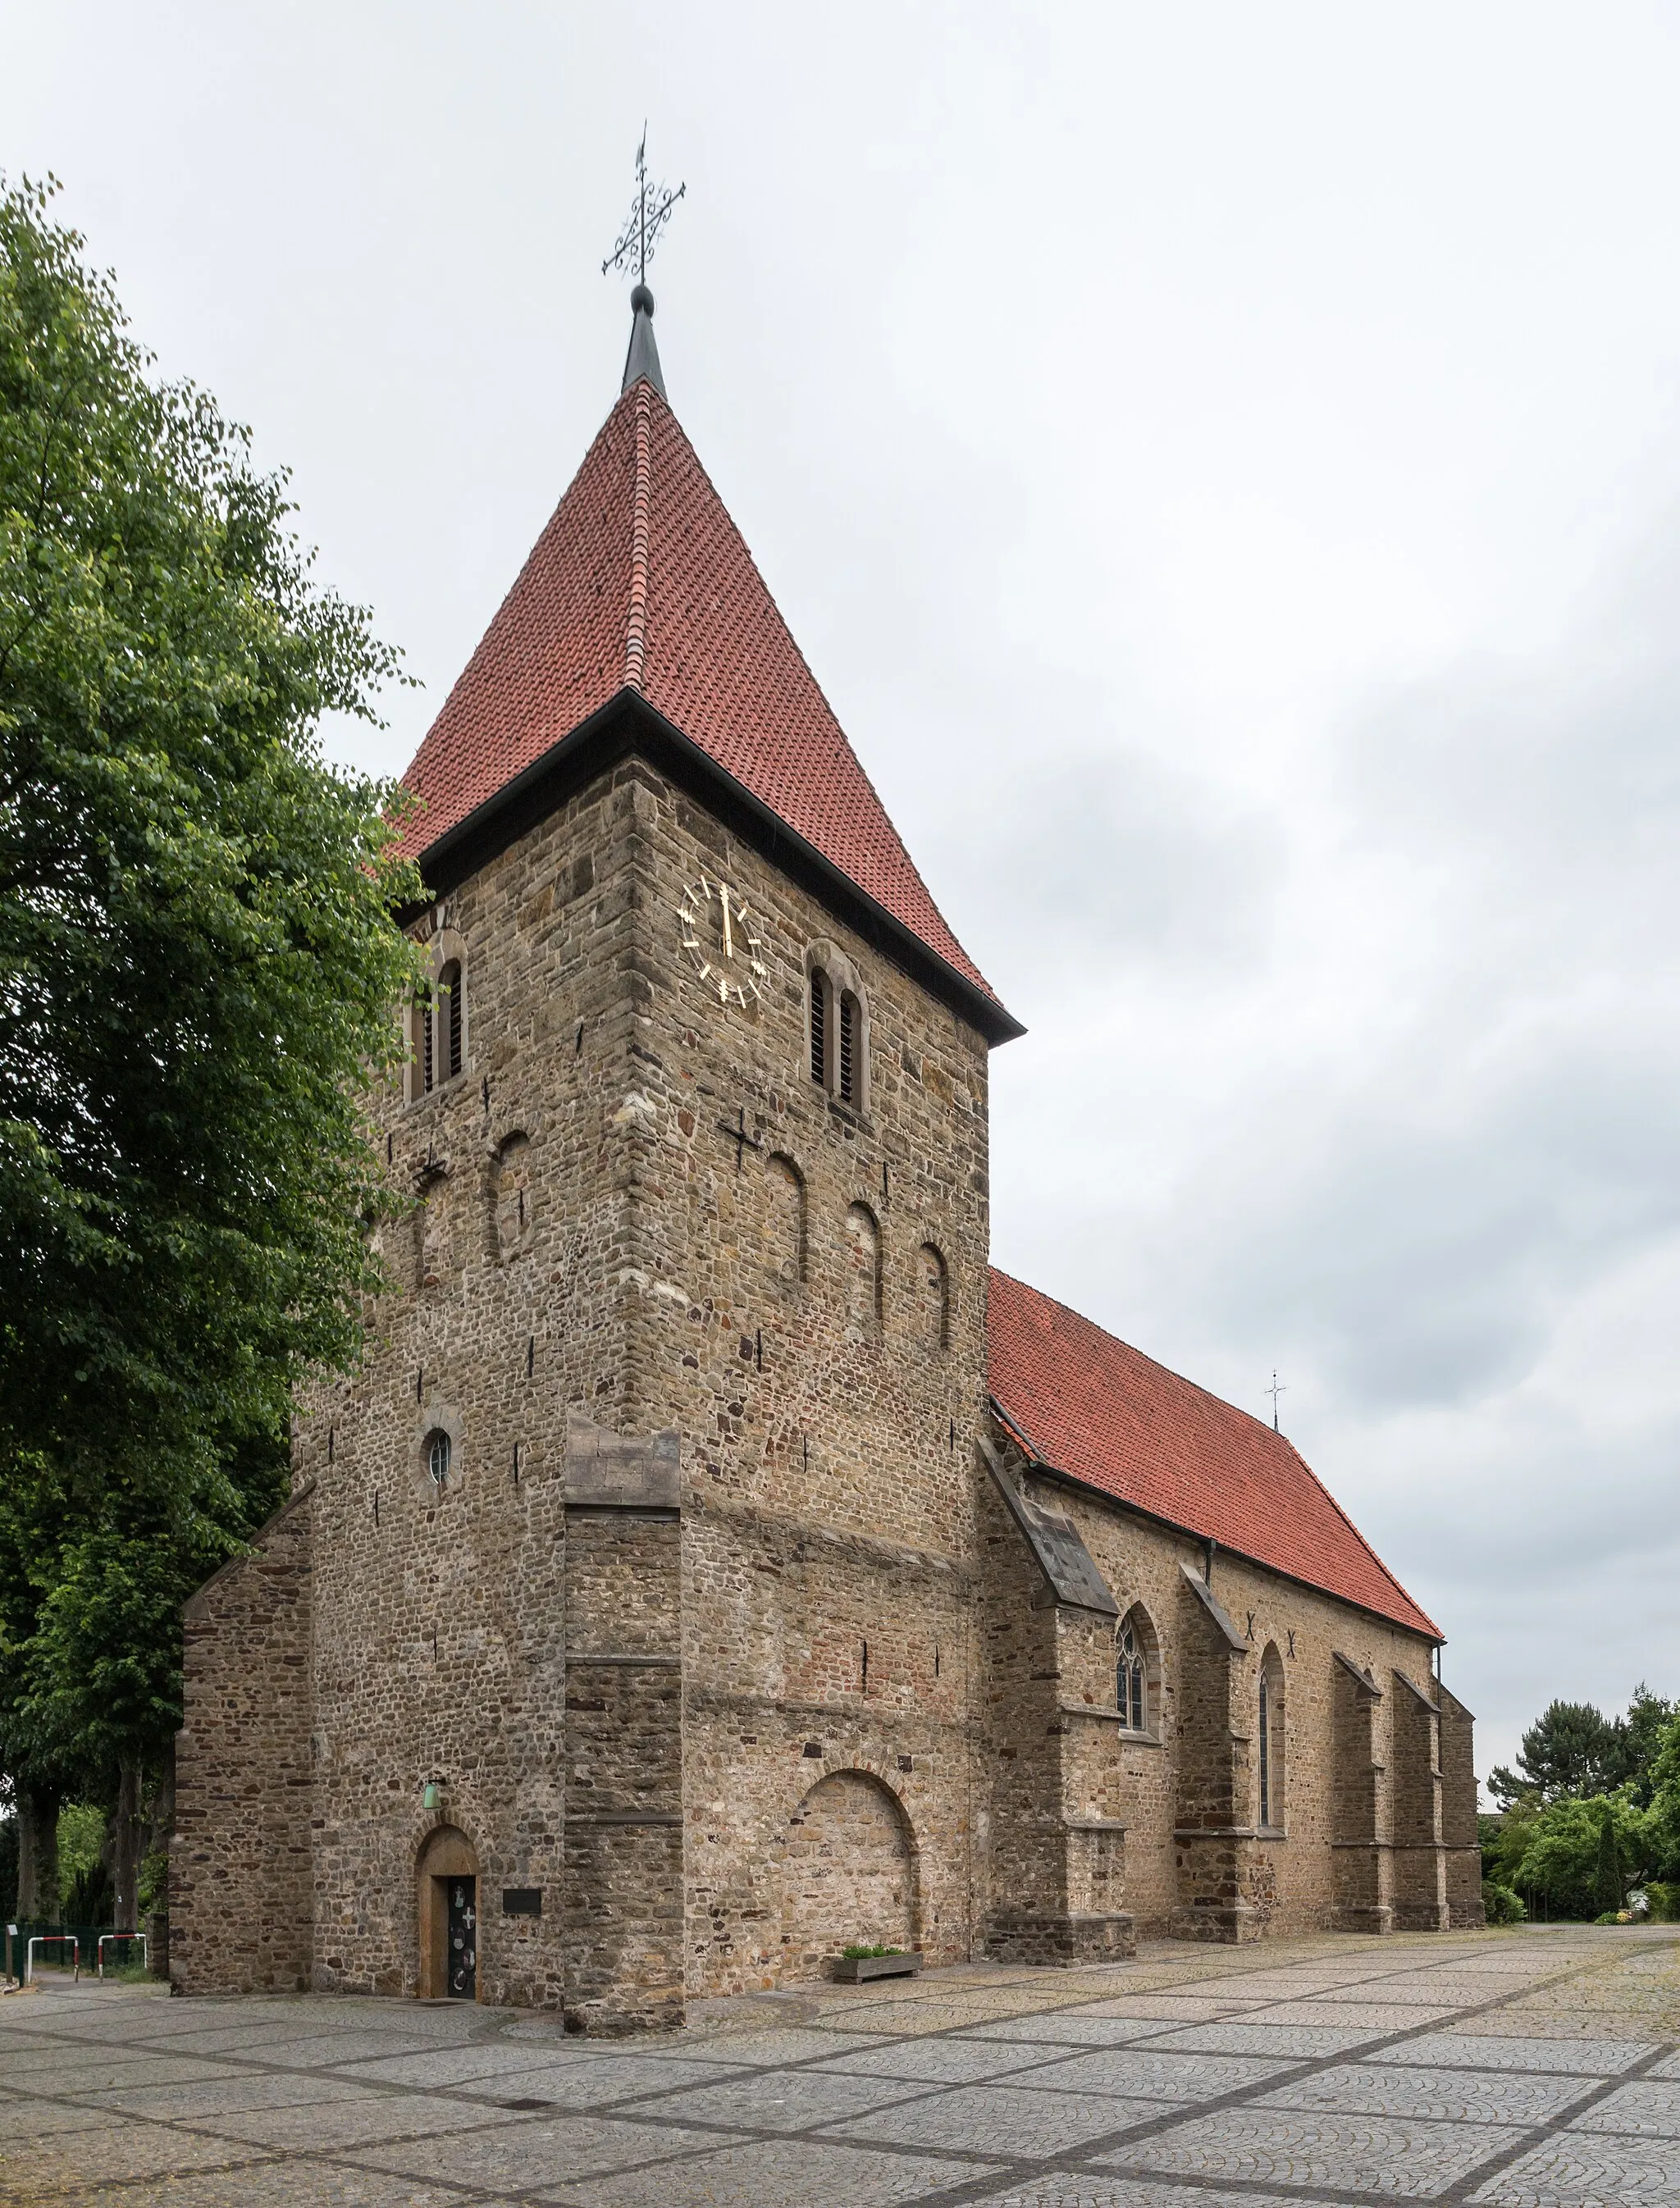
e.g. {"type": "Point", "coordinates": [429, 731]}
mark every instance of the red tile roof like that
{"type": "Point", "coordinates": [641, 582]}
{"type": "Point", "coordinates": [1088, 1405]}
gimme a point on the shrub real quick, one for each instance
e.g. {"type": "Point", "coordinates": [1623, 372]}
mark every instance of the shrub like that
{"type": "Point", "coordinates": [1504, 1906]}
{"type": "Point", "coordinates": [855, 1954]}
{"type": "Point", "coordinates": [1568, 1859]}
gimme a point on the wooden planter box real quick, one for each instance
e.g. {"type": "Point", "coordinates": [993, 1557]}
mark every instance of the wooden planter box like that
{"type": "Point", "coordinates": [855, 1969]}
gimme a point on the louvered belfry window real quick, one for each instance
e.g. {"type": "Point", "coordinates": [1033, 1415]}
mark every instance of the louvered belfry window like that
{"type": "Point", "coordinates": [448, 1014]}
{"type": "Point", "coordinates": [819, 1028]}
{"type": "Point", "coordinates": [848, 1026]}
{"type": "Point", "coordinates": [426, 1067]}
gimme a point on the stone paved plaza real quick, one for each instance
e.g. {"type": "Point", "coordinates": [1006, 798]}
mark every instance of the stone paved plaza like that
{"type": "Point", "coordinates": [1517, 2069]}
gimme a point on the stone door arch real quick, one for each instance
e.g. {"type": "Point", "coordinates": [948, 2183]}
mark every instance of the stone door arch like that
{"type": "Point", "coordinates": [847, 1867]}
{"type": "Point", "coordinates": [447, 1861]}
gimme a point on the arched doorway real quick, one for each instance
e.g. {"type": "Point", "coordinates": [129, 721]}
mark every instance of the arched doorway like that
{"type": "Point", "coordinates": [447, 1879]}
{"type": "Point", "coordinates": [848, 1873]}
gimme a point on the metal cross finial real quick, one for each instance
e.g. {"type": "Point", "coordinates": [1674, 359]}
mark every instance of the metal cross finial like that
{"type": "Point", "coordinates": [649, 214]}
{"type": "Point", "coordinates": [1278, 1387]}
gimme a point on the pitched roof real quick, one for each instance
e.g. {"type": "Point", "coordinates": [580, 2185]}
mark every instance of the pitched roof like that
{"type": "Point", "coordinates": [641, 582]}
{"type": "Point", "coordinates": [1088, 1405]}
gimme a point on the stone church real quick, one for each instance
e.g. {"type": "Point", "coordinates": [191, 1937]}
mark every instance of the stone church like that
{"type": "Point", "coordinates": [715, 1561]}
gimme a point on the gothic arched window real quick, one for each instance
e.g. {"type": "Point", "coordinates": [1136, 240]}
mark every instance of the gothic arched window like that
{"type": "Point", "coordinates": [1271, 1739]}
{"type": "Point", "coordinates": [1131, 1676]}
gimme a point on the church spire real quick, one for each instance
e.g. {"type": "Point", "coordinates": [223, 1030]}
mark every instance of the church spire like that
{"type": "Point", "coordinates": [650, 212]}
{"type": "Point", "coordinates": [642, 361]}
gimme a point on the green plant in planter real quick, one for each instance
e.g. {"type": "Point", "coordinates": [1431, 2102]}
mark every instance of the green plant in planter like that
{"type": "Point", "coordinates": [855, 1954]}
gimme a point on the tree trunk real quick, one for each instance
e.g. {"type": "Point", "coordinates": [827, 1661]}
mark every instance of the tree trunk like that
{"type": "Point", "coordinates": [37, 1854]}
{"type": "Point", "coordinates": [125, 1849]}
{"type": "Point", "coordinates": [160, 1826]}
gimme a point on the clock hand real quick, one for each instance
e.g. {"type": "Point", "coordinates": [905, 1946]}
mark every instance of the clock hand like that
{"type": "Point", "coordinates": [728, 946]}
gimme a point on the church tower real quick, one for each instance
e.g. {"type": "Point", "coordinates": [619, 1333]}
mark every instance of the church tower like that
{"type": "Point", "coordinates": [631, 1578]}
{"type": "Point", "coordinates": [713, 1564]}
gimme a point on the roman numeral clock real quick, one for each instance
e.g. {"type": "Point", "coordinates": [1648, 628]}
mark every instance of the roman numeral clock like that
{"type": "Point", "coordinates": [726, 940]}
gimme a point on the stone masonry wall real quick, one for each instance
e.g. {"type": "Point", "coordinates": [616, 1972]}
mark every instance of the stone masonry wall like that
{"type": "Point", "coordinates": [828, 1381]}
{"type": "Point", "coordinates": [240, 1855]}
{"type": "Point", "coordinates": [440, 1632]}
{"type": "Point", "coordinates": [635, 1206]}
{"type": "Point", "coordinates": [1295, 1876]}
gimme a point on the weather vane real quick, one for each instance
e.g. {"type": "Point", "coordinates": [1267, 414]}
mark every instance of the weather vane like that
{"type": "Point", "coordinates": [1278, 1387]}
{"type": "Point", "coordinates": [648, 217]}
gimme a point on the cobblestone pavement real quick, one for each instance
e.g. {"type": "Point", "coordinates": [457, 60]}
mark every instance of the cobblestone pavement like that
{"type": "Point", "coordinates": [1517, 2069]}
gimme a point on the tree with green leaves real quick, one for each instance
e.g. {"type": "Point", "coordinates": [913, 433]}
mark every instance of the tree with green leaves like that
{"type": "Point", "coordinates": [1571, 1750]}
{"type": "Point", "coordinates": [198, 969]}
{"type": "Point", "coordinates": [1643, 1732]}
{"type": "Point", "coordinates": [1610, 1894]}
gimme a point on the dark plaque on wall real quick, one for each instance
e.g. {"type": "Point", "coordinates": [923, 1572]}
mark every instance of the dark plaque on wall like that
{"type": "Point", "coordinates": [522, 1901]}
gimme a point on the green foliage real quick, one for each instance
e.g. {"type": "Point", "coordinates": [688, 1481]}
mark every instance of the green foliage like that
{"type": "Point", "coordinates": [1503, 1904]}
{"type": "Point", "coordinates": [1573, 1749]}
{"type": "Point", "coordinates": [1505, 1841]}
{"type": "Point", "coordinates": [1608, 1875]}
{"type": "Point", "coordinates": [154, 1887]}
{"type": "Point", "coordinates": [1644, 1729]}
{"type": "Point", "coordinates": [855, 1954]}
{"type": "Point", "coordinates": [1664, 1900]}
{"type": "Point", "coordinates": [1567, 1854]}
{"type": "Point", "coordinates": [198, 963]}
{"type": "Point", "coordinates": [82, 1831]}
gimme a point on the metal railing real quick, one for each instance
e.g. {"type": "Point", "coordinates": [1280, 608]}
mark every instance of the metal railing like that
{"type": "Point", "coordinates": [105, 1940]}
{"type": "Point", "coordinates": [51, 1940]}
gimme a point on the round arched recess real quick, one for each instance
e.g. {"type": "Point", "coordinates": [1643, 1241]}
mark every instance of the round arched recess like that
{"type": "Point", "coordinates": [847, 1863]}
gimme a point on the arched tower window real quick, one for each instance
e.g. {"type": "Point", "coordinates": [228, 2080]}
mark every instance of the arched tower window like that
{"type": "Point", "coordinates": [437, 1021]}
{"type": "Point", "coordinates": [821, 994]}
{"type": "Point", "coordinates": [1271, 1739]}
{"type": "Point", "coordinates": [448, 1007]}
{"type": "Point", "coordinates": [837, 1033]}
{"type": "Point", "coordinates": [849, 1075]}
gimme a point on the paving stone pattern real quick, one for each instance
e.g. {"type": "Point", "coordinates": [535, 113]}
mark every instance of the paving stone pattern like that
{"type": "Point", "coordinates": [1530, 2069]}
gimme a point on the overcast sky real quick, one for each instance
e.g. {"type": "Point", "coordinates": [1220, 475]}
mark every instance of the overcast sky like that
{"type": "Point", "coordinates": [1223, 464]}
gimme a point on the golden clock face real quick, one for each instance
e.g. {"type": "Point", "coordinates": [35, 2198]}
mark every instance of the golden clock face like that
{"type": "Point", "coordinates": [727, 941]}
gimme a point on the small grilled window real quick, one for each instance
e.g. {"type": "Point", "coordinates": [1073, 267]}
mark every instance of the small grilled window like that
{"type": "Point", "coordinates": [848, 1049]}
{"type": "Point", "coordinates": [426, 1072]}
{"type": "Point", "coordinates": [819, 1028]}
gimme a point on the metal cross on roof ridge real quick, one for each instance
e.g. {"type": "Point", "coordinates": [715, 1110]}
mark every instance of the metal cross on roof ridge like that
{"type": "Point", "coordinates": [1278, 1387]}
{"type": "Point", "coordinates": [649, 214]}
